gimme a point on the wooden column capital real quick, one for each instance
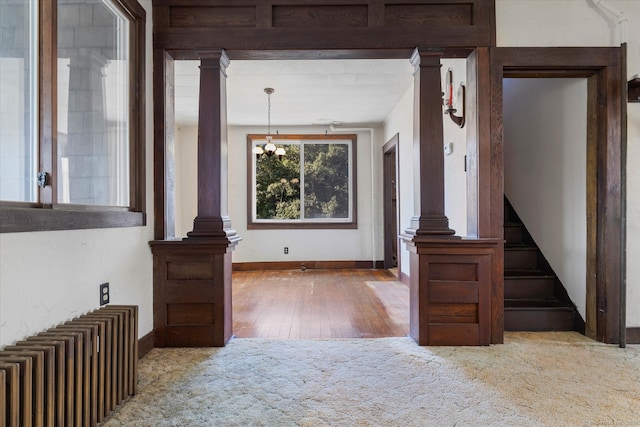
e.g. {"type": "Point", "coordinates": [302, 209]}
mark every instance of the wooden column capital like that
{"type": "Point", "coordinates": [428, 141]}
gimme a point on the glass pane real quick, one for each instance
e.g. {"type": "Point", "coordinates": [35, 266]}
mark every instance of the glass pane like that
{"type": "Point", "coordinates": [326, 181]}
{"type": "Point", "coordinates": [93, 103]}
{"type": "Point", "coordinates": [18, 100]}
{"type": "Point", "coordinates": [278, 185]}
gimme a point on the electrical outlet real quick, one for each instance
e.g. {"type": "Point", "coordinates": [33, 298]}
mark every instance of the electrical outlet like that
{"type": "Point", "coordinates": [104, 293]}
{"type": "Point", "coordinates": [286, 250]}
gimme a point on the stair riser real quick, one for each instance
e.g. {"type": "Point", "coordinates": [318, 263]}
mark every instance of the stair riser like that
{"type": "Point", "coordinates": [538, 320]}
{"type": "Point", "coordinates": [520, 259]}
{"type": "Point", "coordinates": [528, 288]}
{"type": "Point", "coordinates": [513, 234]}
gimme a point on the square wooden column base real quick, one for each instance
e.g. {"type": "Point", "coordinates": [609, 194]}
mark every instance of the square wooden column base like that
{"type": "Point", "coordinates": [192, 292]}
{"type": "Point", "coordinates": [456, 291]}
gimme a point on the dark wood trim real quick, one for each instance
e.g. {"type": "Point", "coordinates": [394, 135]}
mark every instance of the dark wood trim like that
{"type": "Point", "coordinates": [301, 225]}
{"type": "Point", "coordinates": [15, 220]}
{"type": "Point", "coordinates": [592, 207]}
{"type": "Point", "coordinates": [623, 201]}
{"type": "Point", "coordinates": [602, 66]}
{"type": "Point", "coordinates": [47, 98]}
{"type": "Point", "coordinates": [306, 265]}
{"type": "Point", "coordinates": [163, 126]}
{"type": "Point", "coordinates": [334, 25]}
{"type": "Point", "coordinates": [146, 344]}
{"type": "Point", "coordinates": [391, 200]}
{"type": "Point", "coordinates": [480, 158]}
{"type": "Point", "coordinates": [137, 108]}
{"type": "Point", "coordinates": [633, 335]}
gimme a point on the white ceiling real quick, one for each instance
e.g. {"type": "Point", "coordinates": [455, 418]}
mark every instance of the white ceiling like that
{"type": "Point", "coordinates": [306, 92]}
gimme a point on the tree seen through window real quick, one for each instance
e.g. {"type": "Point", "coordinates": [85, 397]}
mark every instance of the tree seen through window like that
{"type": "Point", "coordinates": [313, 174]}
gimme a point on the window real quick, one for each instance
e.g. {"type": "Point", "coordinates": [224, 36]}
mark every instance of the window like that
{"type": "Point", "coordinates": [71, 114]}
{"type": "Point", "coordinates": [312, 186]}
{"type": "Point", "coordinates": [18, 101]}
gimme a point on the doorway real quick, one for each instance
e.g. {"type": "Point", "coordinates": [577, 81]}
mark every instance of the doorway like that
{"type": "Point", "coordinates": [601, 67]}
{"type": "Point", "coordinates": [546, 189]}
{"type": "Point", "coordinates": [390, 196]}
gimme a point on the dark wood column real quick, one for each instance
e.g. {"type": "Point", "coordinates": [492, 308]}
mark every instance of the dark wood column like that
{"type": "Point", "coordinates": [212, 220]}
{"type": "Point", "coordinates": [192, 277]}
{"type": "Point", "coordinates": [429, 218]}
{"type": "Point", "coordinates": [453, 281]}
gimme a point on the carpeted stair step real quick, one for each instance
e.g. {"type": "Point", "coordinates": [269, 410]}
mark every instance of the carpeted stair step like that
{"type": "Point", "coordinates": [538, 315]}
{"type": "Point", "coordinates": [528, 284]}
{"type": "Point", "coordinates": [520, 256]}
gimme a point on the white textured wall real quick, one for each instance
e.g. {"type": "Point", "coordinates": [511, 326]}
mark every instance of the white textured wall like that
{"type": "Point", "coordinates": [400, 121]}
{"type": "Point", "coordinates": [186, 178]}
{"type": "Point", "coordinates": [364, 243]}
{"type": "Point", "coordinates": [581, 23]}
{"type": "Point", "coordinates": [455, 178]}
{"type": "Point", "coordinates": [545, 160]}
{"type": "Point", "coordinates": [50, 277]}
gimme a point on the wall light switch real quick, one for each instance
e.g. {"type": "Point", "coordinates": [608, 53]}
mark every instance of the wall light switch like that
{"type": "Point", "coordinates": [448, 148]}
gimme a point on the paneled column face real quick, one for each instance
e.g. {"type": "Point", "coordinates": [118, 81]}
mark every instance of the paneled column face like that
{"type": "Point", "coordinates": [212, 220]}
{"type": "Point", "coordinates": [428, 142]}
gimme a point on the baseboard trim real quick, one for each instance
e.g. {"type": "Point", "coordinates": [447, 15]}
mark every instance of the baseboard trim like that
{"type": "Point", "coordinates": [633, 335]}
{"type": "Point", "coordinates": [299, 265]}
{"type": "Point", "coordinates": [145, 344]}
{"type": "Point", "coordinates": [403, 277]}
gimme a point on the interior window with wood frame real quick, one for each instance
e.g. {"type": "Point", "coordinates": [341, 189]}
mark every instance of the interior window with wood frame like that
{"type": "Point", "coordinates": [71, 114]}
{"type": "Point", "coordinates": [311, 185]}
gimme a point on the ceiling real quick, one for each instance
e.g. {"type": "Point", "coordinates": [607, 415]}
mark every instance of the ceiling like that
{"type": "Point", "coordinates": [306, 91]}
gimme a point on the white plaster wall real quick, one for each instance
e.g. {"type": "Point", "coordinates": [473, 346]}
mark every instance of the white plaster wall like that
{"type": "Point", "coordinates": [186, 178]}
{"type": "Point", "coordinates": [400, 121]}
{"type": "Point", "coordinates": [362, 244]}
{"type": "Point", "coordinates": [50, 277]}
{"type": "Point", "coordinates": [580, 23]}
{"type": "Point", "coordinates": [545, 158]}
{"type": "Point", "coordinates": [455, 177]}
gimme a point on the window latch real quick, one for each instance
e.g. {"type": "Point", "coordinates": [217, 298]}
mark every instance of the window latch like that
{"type": "Point", "coordinates": [43, 179]}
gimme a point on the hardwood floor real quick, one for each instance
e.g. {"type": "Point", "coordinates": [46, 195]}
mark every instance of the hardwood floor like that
{"type": "Point", "coordinates": [319, 304]}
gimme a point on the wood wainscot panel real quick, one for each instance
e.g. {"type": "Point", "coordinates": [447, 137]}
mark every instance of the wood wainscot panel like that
{"type": "Point", "coordinates": [298, 16]}
{"type": "Point", "coordinates": [452, 286]}
{"type": "Point", "coordinates": [190, 314]}
{"type": "Point", "coordinates": [191, 293]}
{"type": "Point", "coordinates": [197, 268]}
{"type": "Point", "coordinates": [428, 15]}
{"type": "Point", "coordinates": [213, 16]}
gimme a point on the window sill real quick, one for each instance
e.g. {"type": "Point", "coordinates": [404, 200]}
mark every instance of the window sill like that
{"type": "Point", "coordinates": [25, 219]}
{"type": "Point", "coordinates": [301, 225]}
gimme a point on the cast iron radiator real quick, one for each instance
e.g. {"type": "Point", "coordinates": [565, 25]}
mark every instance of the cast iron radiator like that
{"type": "Point", "coordinates": [74, 374]}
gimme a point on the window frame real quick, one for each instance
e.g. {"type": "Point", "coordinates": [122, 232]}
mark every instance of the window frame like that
{"type": "Point", "coordinates": [351, 223]}
{"type": "Point", "coordinates": [47, 214]}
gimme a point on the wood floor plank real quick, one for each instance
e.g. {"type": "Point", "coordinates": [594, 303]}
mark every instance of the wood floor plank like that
{"type": "Point", "coordinates": [319, 304]}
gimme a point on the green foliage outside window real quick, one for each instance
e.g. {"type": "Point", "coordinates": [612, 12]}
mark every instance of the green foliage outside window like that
{"type": "Point", "coordinates": [326, 183]}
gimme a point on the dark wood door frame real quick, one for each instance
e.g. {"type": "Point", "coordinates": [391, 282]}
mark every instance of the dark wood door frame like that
{"type": "Point", "coordinates": [390, 185]}
{"type": "Point", "coordinates": [605, 149]}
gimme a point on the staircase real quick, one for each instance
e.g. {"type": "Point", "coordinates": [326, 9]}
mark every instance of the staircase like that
{"type": "Point", "coordinates": [534, 298]}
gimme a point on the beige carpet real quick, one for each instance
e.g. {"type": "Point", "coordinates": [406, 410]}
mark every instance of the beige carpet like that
{"type": "Point", "coordinates": [534, 379]}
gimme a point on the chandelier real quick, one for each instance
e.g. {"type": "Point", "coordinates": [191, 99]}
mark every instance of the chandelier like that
{"type": "Point", "coordinates": [269, 148]}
